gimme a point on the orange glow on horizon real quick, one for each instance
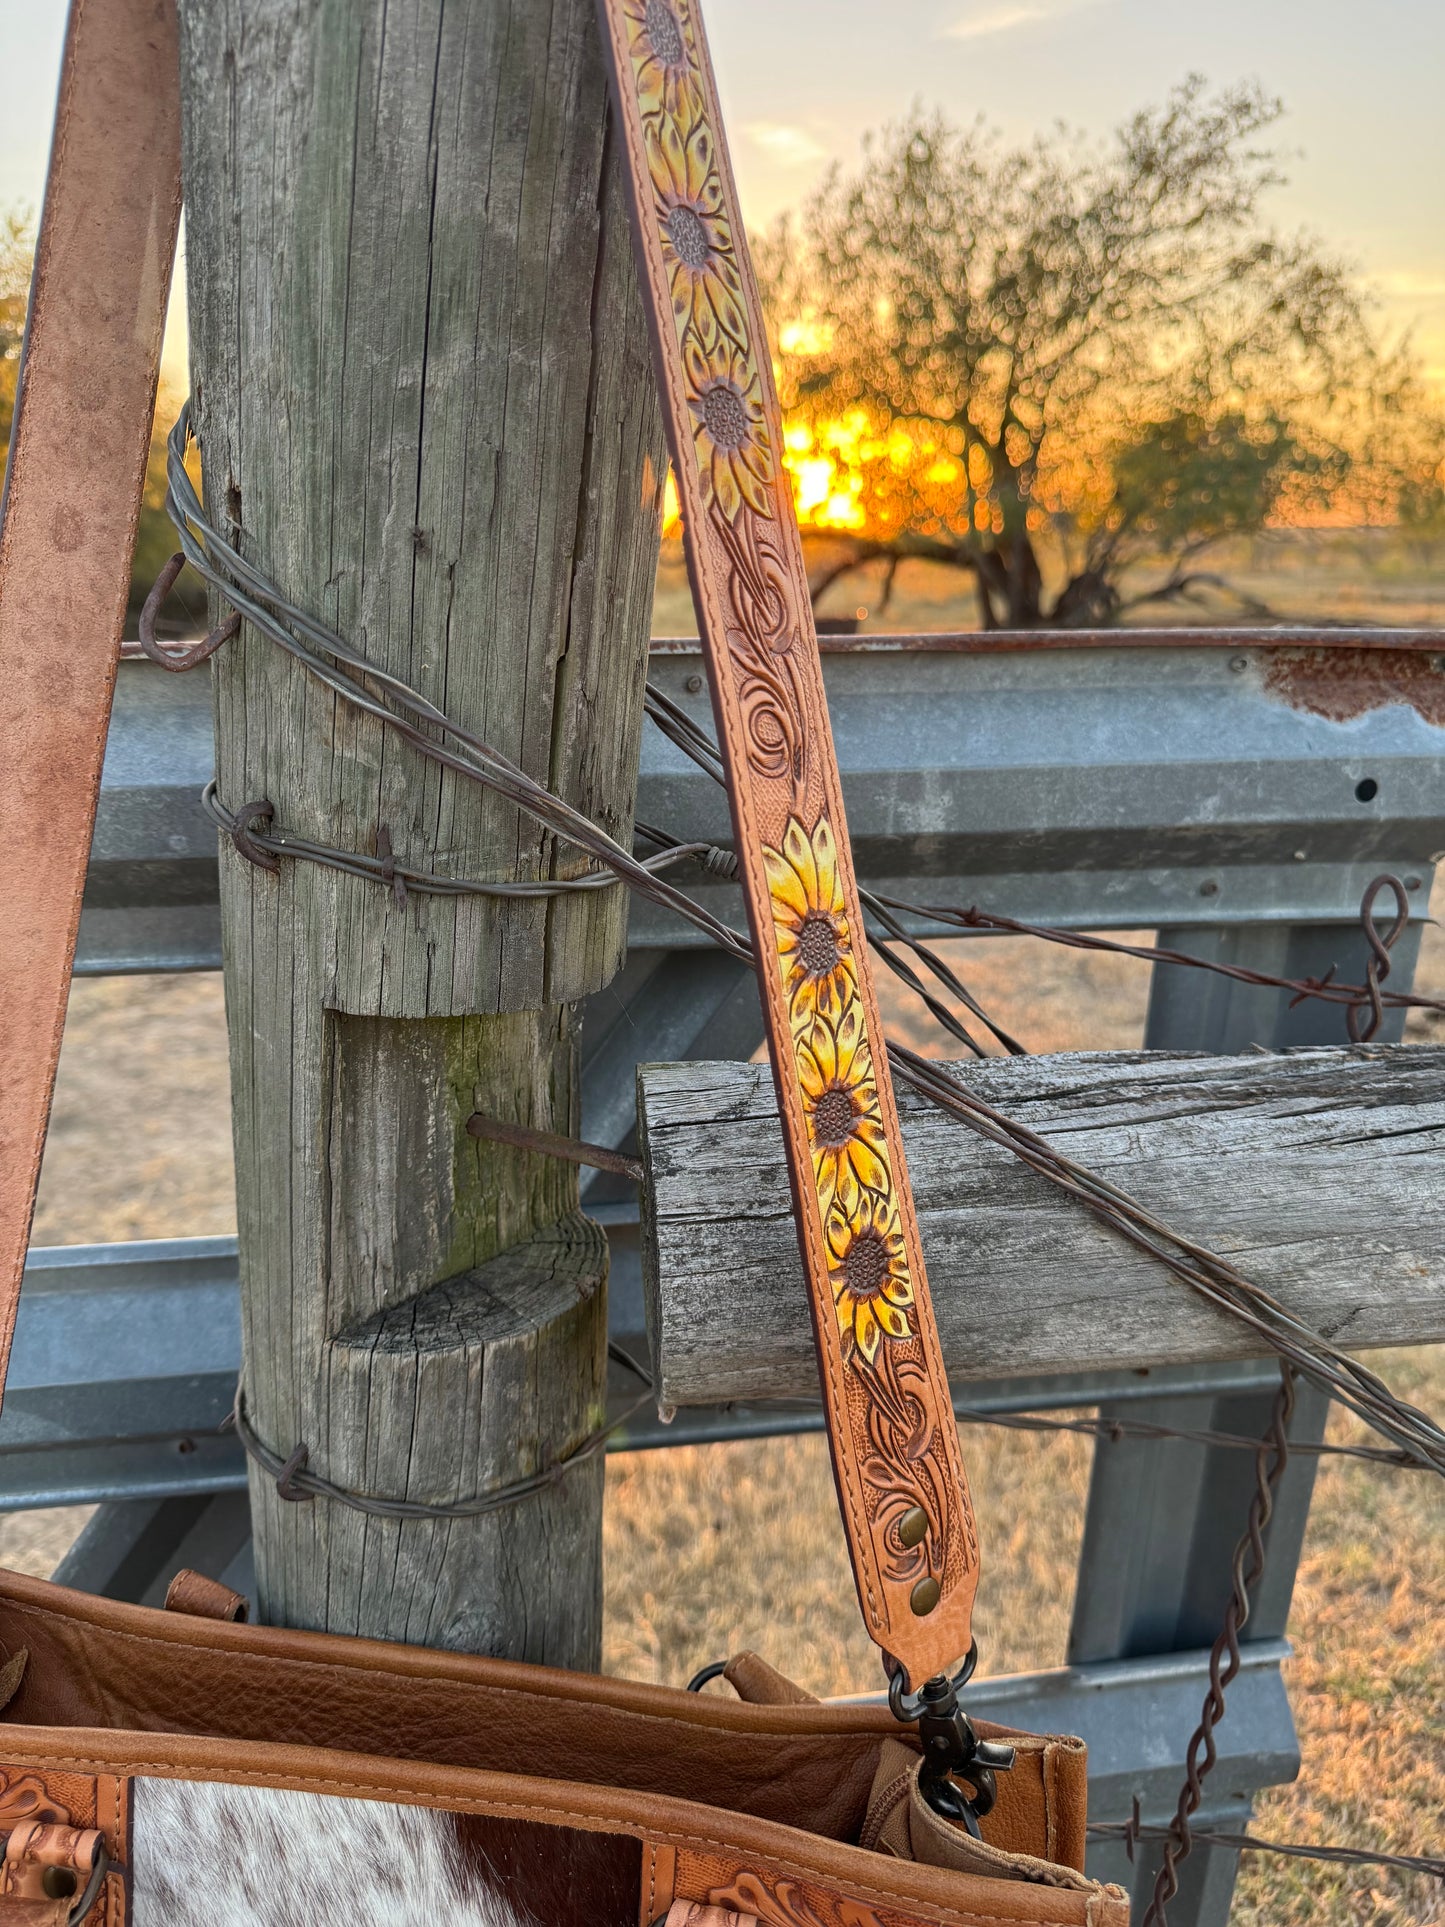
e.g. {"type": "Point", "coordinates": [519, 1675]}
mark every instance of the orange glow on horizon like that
{"type": "Point", "coordinates": [852, 475]}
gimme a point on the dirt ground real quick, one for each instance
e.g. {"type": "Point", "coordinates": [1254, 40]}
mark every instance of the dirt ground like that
{"type": "Point", "coordinates": [696, 1566]}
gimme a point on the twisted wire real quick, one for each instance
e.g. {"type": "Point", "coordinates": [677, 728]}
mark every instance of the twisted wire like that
{"type": "Point", "coordinates": [679, 727]}
{"type": "Point", "coordinates": [1246, 1570]}
{"type": "Point", "coordinates": [1377, 967]}
{"type": "Point", "coordinates": [332, 661]}
{"type": "Point", "coordinates": [1324, 989]}
{"type": "Point", "coordinates": [298, 1484]}
{"type": "Point", "coordinates": [264, 846]}
{"type": "Point", "coordinates": [1134, 1829]}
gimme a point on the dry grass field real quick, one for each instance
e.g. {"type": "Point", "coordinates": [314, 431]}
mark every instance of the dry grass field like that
{"type": "Point", "coordinates": [1299, 575]}
{"type": "Point", "coordinates": [711, 1549]}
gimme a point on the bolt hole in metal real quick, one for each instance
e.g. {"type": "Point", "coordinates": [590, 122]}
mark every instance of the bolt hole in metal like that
{"type": "Point", "coordinates": [1366, 790]}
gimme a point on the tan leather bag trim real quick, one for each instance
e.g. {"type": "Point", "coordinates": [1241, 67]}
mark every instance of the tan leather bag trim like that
{"type": "Point", "coordinates": [781, 1851]}
{"type": "Point", "coordinates": [659, 1881]}
{"type": "Point", "coordinates": [72, 499]}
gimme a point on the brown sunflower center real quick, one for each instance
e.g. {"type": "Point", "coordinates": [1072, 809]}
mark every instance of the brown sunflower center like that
{"type": "Point", "coordinates": [865, 1268]}
{"type": "Point", "coordinates": [818, 945]}
{"type": "Point", "coordinates": [688, 236]}
{"type": "Point", "coordinates": [833, 1119]}
{"type": "Point", "coordinates": [664, 33]}
{"type": "Point", "coordinates": [725, 415]}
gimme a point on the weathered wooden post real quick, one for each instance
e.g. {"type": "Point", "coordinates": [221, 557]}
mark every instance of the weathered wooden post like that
{"type": "Point", "coordinates": [425, 406]}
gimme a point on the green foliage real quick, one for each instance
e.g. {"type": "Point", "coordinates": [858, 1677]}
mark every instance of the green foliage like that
{"type": "Point", "coordinates": [1192, 479]}
{"type": "Point", "coordinates": [1125, 362]}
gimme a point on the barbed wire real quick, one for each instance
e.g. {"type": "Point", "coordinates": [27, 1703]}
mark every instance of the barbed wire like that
{"type": "Point", "coordinates": [1115, 1430]}
{"type": "Point", "coordinates": [251, 829]}
{"type": "Point", "coordinates": [436, 736]}
{"type": "Point", "coordinates": [298, 1484]}
{"type": "Point", "coordinates": [686, 735]}
{"type": "Point", "coordinates": [1418, 1439]}
{"type": "Point", "coordinates": [1225, 1658]}
{"type": "Point", "coordinates": [1321, 989]}
{"type": "Point", "coordinates": [1134, 1829]}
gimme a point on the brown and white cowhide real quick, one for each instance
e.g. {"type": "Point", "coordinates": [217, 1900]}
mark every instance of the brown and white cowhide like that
{"type": "Point", "coordinates": [212, 1854]}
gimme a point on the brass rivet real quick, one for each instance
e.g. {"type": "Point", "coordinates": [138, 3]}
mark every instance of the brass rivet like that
{"type": "Point", "coordinates": [924, 1596]}
{"type": "Point", "coordinates": [58, 1883]}
{"type": "Point", "coordinates": [913, 1526]}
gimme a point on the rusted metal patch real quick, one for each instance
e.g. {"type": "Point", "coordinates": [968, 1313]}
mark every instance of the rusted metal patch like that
{"type": "Point", "coordinates": [1344, 683]}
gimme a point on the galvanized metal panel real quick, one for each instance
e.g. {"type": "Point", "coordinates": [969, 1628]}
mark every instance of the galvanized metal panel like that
{"type": "Point", "coordinates": [1085, 786]}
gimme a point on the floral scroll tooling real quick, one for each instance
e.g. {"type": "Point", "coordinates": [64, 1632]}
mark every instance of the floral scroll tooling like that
{"type": "Point", "coordinates": [867, 1256]}
{"type": "Point", "coordinates": [25, 1797]}
{"type": "Point", "coordinates": [778, 1902]}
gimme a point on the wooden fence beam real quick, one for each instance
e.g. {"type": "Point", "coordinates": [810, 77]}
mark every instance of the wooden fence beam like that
{"type": "Point", "coordinates": [426, 410]}
{"type": "Point", "coordinates": [1320, 1173]}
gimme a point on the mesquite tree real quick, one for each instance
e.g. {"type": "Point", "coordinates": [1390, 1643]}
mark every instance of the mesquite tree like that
{"type": "Point", "coordinates": [1072, 358]}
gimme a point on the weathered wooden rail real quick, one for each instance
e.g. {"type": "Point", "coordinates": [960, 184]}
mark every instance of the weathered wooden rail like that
{"type": "Point", "coordinates": [1321, 1173]}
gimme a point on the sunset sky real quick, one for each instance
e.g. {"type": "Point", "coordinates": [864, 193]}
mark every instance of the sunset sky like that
{"type": "Point", "coordinates": [801, 78]}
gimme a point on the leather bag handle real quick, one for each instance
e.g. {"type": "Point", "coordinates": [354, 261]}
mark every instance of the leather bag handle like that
{"type": "Point", "coordinates": [73, 487]}
{"type": "Point", "coordinates": [78, 448]}
{"type": "Point", "coordinates": [894, 1443]}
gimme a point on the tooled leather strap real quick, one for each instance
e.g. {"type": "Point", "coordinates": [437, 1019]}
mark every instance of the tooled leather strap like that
{"type": "Point", "coordinates": [72, 495]}
{"type": "Point", "coordinates": [899, 1472]}
{"type": "Point", "coordinates": [52, 1868]}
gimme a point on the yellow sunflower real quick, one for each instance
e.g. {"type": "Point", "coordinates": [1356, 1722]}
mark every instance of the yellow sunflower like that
{"type": "Point", "coordinates": [810, 923]}
{"type": "Point", "coordinates": [729, 433]}
{"type": "Point", "coordinates": [868, 1266]}
{"type": "Point", "coordinates": [697, 246]}
{"type": "Point", "coordinates": [840, 1098]}
{"type": "Point", "coordinates": [662, 63]}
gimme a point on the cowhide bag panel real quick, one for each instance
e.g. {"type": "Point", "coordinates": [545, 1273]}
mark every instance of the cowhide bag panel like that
{"type": "Point", "coordinates": [213, 1854]}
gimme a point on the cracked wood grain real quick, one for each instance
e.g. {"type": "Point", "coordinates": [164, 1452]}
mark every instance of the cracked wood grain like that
{"type": "Point", "coordinates": [425, 406]}
{"type": "Point", "coordinates": [1321, 1173]}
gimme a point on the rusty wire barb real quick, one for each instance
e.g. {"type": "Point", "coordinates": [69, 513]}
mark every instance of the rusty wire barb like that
{"type": "Point", "coordinates": [1246, 1571]}
{"type": "Point", "coordinates": [1135, 1829]}
{"type": "Point", "coordinates": [1324, 989]}
{"type": "Point", "coordinates": [178, 657]}
{"type": "Point", "coordinates": [1377, 969]}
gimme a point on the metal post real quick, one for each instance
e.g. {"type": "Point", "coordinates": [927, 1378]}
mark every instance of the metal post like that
{"type": "Point", "coordinates": [1163, 1518]}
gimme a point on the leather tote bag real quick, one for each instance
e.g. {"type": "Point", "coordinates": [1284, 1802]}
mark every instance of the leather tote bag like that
{"type": "Point", "coordinates": [185, 1769]}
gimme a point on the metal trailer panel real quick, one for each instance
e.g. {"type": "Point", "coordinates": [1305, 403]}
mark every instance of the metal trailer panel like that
{"type": "Point", "coordinates": [1091, 787]}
